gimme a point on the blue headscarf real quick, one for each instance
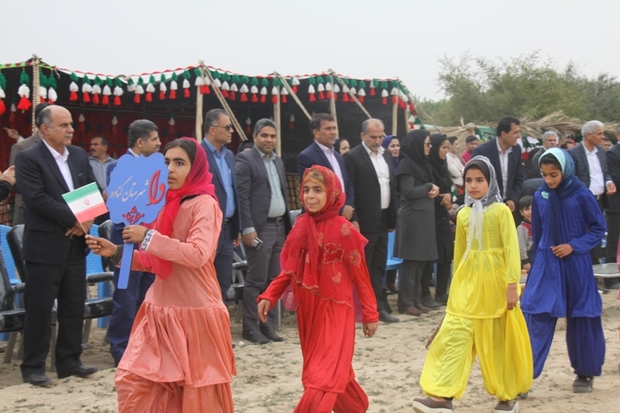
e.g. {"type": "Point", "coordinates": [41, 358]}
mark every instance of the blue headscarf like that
{"type": "Point", "coordinates": [386, 142]}
{"type": "Point", "coordinates": [569, 185]}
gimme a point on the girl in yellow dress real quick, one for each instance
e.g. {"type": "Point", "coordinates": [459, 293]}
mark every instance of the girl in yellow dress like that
{"type": "Point", "coordinates": [483, 317]}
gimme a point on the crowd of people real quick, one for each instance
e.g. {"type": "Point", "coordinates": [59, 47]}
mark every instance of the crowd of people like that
{"type": "Point", "coordinates": [465, 225]}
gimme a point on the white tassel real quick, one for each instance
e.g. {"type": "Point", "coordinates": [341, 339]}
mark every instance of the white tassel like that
{"type": "Point", "coordinates": [186, 84]}
{"type": "Point", "coordinates": [291, 118]}
{"type": "Point", "coordinates": [394, 91]}
{"type": "Point", "coordinates": [353, 91]}
{"type": "Point", "coordinates": [234, 88]}
{"type": "Point", "coordinates": [263, 90]}
{"type": "Point", "coordinates": [274, 91]}
{"type": "Point", "coordinates": [253, 89]}
{"type": "Point", "coordinates": [23, 90]}
{"type": "Point", "coordinates": [81, 118]}
{"type": "Point", "coordinates": [114, 121]}
{"type": "Point", "coordinates": [97, 89]}
{"type": "Point", "coordinates": [361, 92]}
{"type": "Point", "coordinates": [174, 85]}
{"type": "Point", "coordinates": [13, 107]}
{"type": "Point", "coordinates": [150, 88]}
{"type": "Point", "coordinates": [73, 87]}
{"type": "Point", "coordinates": [42, 92]}
{"type": "Point", "coordinates": [139, 90]}
{"type": "Point", "coordinates": [118, 91]}
{"type": "Point", "coordinates": [284, 91]}
{"type": "Point", "coordinates": [295, 81]}
{"type": "Point", "coordinates": [131, 88]}
{"type": "Point", "coordinates": [2, 94]}
{"type": "Point", "coordinates": [163, 87]}
{"type": "Point", "coordinates": [244, 88]}
{"type": "Point", "coordinates": [320, 87]}
{"type": "Point", "coordinates": [107, 91]}
{"type": "Point", "coordinates": [311, 89]}
{"type": "Point", "coordinates": [225, 86]}
{"type": "Point", "coordinates": [199, 81]}
{"type": "Point", "coordinates": [52, 95]}
{"type": "Point", "coordinates": [384, 93]}
{"type": "Point", "coordinates": [171, 122]}
{"type": "Point", "coordinates": [328, 87]}
{"type": "Point", "coordinates": [217, 83]}
{"type": "Point", "coordinates": [336, 88]}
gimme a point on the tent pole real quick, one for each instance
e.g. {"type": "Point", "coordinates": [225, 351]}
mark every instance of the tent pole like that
{"type": "Point", "coordinates": [395, 118]}
{"type": "Point", "coordinates": [277, 117]}
{"type": "Point", "coordinates": [332, 101]}
{"type": "Point", "coordinates": [293, 95]}
{"type": "Point", "coordinates": [36, 88]}
{"type": "Point", "coordinates": [225, 105]}
{"type": "Point", "coordinates": [355, 99]}
{"type": "Point", "coordinates": [407, 126]}
{"type": "Point", "coordinates": [199, 109]}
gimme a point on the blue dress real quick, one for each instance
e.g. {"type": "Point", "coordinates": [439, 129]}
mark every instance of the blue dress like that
{"type": "Point", "coordinates": [565, 287]}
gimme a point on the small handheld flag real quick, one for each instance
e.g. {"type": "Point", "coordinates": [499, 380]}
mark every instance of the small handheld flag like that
{"type": "Point", "coordinates": [86, 202]}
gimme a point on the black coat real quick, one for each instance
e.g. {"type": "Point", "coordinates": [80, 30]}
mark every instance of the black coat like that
{"type": "Point", "coordinates": [515, 169]}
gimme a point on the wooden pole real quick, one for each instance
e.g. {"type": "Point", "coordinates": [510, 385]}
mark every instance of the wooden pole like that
{"type": "Point", "coordinates": [332, 103]}
{"type": "Point", "coordinates": [36, 85]}
{"type": "Point", "coordinates": [277, 118]}
{"type": "Point", "coordinates": [355, 99]}
{"type": "Point", "coordinates": [225, 105]}
{"type": "Point", "coordinates": [199, 109]}
{"type": "Point", "coordinates": [292, 94]}
{"type": "Point", "coordinates": [407, 126]}
{"type": "Point", "coordinates": [395, 118]}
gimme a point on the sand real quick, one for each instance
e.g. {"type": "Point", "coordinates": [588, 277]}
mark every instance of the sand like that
{"type": "Point", "coordinates": [388, 367]}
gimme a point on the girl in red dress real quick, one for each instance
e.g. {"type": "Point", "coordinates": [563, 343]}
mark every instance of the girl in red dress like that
{"type": "Point", "coordinates": [323, 263]}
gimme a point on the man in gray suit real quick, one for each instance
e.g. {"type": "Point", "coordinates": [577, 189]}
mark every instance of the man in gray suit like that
{"type": "Point", "coordinates": [18, 212]}
{"type": "Point", "coordinates": [263, 202]}
{"type": "Point", "coordinates": [591, 168]}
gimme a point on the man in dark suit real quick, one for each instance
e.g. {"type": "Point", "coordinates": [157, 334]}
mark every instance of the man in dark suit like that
{"type": "Point", "coordinates": [612, 211]}
{"type": "Point", "coordinates": [505, 156]}
{"type": "Point", "coordinates": [263, 201]}
{"type": "Point", "coordinates": [322, 152]}
{"type": "Point", "coordinates": [591, 168]}
{"type": "Point", "coordinates": [371, 170]}
{"type": "Point", "coordinates": [143, 140]}
{"type": "Point", "coordinates": [18, 208]}
{"type": "Point", "coordinates": [218, 133]}
{"type": "Point", "coordinates": [54, 248]}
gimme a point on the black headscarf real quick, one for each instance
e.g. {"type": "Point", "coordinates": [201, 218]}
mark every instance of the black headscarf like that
{"type": "Point", "coordinates": [441, 175]}
{"type": "Point", "coordinates": [412, 159]}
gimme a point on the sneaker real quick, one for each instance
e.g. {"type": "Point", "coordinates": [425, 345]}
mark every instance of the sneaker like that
{"type": "Point", "coordinates": [428, 405]}
{"type": "Point", "coordinates": [583, 384]}
{"type": "Point", "coordinates": [510, 406]}
{"type": "Point", "coordinates": [430, 303]}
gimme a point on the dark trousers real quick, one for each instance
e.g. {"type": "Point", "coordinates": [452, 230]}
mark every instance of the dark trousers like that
{"type": "Point", "coordinates": [66, 283]}
{"type": "Point", "coordinates": [376, 259]}
{"type": "Point", "coordinates": [224, 258]}
{"type": "Point", "coordinates": [597, 251]}
{"type": "Point", "coordinates": [411, 276]}
{"type": "Point", "coordinates": [263, 267]}
{"type": "Point", "coordinates": [613, 233]}
{"type": "Point", "coordinates": [442, 279]}
{"type": "Point", "coordinates": [126, 304]}
{"type": "Point", "coordinates": [584, 339]}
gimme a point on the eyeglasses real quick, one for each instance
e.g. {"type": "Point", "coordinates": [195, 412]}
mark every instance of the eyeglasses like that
{"type": "Point", "coordinates": [227, 127]}
{"type": "Point", "coordinates": [427, 143]}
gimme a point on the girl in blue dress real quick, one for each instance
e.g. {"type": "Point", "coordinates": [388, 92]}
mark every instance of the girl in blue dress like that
{"type": "Point", "coordinates": [566, 223]}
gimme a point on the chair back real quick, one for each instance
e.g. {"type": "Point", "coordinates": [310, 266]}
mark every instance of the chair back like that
{"type": "Point", "coordinates": [6, 253]}
{"type": "Point", "coordinates": [93, 261]}
{"type": "Point", "coordinates": [393, 263]}
{"type": "Point", "coordinates": [15, 238]}
{"type": "Point", "coordinates": [7, 301]}
{"type": "Point", "coordinates": [105, 229]}
{"type": "Point", "coordinates": [293, 214]}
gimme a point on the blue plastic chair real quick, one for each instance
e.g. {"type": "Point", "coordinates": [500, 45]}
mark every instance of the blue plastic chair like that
{"type": "Point", "coordinates": [393, 263]}
{"type": "Point", "coordinates": [94, 266]}
{"type": "Point", "coordinates": [6, 254]}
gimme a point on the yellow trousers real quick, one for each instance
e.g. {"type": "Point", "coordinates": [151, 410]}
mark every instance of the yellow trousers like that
{"type": "Point", "coordinates": [503, 349]}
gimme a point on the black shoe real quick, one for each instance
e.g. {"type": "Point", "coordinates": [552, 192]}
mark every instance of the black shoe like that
{"type": "Point", "coordinates": [392, 289]}
{"type": "Point", "coordinates": [430, 303]}
{"type": "Point", "coordinates": [583, 384]}
{"type": "Point", "coordinates": [271, 334]}
{"type": "Point", "coordinates": [255, 337]}
{"type": "Point", "coordinates": [38, 380]}
{"type": "Point", "coordinates": [441, 299]}
{"type": "Point", "coordinates": [386, 318]}
{"type": "Point", "coordinates": [80, 371]}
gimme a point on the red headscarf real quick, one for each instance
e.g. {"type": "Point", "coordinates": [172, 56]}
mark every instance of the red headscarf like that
{"type": "Point", "coordinates": [197, 182]}
{"type": "Point", "coordinates": [313, 233]}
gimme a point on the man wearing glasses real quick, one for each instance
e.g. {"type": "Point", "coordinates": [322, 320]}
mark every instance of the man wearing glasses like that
{"type": "Point", "coordinates": [218, 133]}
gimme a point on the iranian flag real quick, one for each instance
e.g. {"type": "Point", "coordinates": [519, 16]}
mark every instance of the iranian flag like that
{"type": "Point", "coordinates": [86, 202]}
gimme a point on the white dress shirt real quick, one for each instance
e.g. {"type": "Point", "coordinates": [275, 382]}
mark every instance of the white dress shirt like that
{"type": "Point", "coordinates": [383, 174]}
{"type": "Point", "coordinates": [331, 157]}
{"type": "Point", "coordinates": [63, 165]}
{"type": "Point", "coordinates": [597, 180]}
{"type": "Point", "coordinates": [503, 161]}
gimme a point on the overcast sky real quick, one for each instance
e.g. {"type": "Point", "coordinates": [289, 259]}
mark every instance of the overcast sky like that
{"type": "Point", "coordinates": [358, 38]}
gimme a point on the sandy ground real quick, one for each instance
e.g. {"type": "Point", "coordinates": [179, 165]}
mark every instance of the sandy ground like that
{"type": "Point", "coordinates": [388, 366]}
